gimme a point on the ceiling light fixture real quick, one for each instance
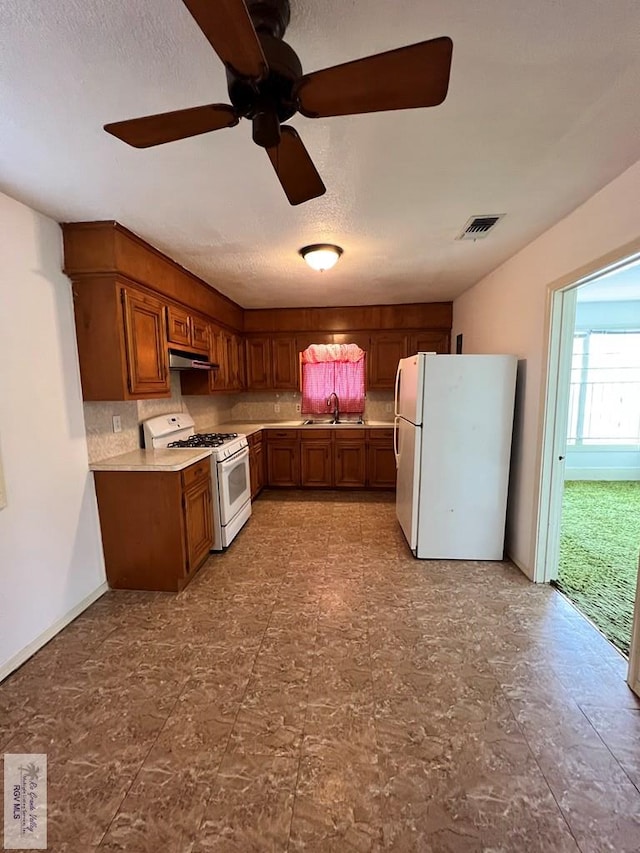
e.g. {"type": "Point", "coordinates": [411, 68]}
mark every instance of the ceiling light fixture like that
{"type": "Point", "coordinates": [321, 256]}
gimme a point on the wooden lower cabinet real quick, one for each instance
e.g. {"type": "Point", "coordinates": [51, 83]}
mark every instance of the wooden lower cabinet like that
{"type": "Point", "coordinates": [283, 457]}
{"type": "Point", "coordinates": [157, 526]}
{"type": "Point", "coordinates": [316, 460]}
{"type": "Point", "coordinates": [350, 459]}
{"type": "Point", "coordinates": [330, 458]}
{"type": "Point", "coordinates": [381, 460]}
{"type": "Point", "coordinates": [256, 463]}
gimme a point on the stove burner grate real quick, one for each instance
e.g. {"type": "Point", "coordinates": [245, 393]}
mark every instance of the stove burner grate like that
{"type": "Point", "coordinates": [205, 439]}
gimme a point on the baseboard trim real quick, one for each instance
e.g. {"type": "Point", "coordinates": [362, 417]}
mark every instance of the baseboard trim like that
{"type": "Point", "coordinates": [35, 645]}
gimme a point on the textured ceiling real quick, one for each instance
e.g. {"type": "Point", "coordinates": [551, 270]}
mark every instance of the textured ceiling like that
{"type": "Point", "coordinates": [542, 111]}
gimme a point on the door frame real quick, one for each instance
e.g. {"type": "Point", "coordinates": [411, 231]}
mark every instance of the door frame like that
{"type": "Point", "coordinates": [562, 297]}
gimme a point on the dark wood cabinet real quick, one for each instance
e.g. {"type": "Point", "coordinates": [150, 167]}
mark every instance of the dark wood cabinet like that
{"type": "Point", "coordinates": [381, 460]}
{"type": "Point", "coordinates": [157, 526]}
{"type": "Point", "coordinates": [256, 463]}
{"type": "Point", "coordinates": [198, 519]}
{"type": "Point", "coordinates": [285, 363]}
{"type": "Point", "coordinates": [145, 344]}
{"type": "Point", "coordinates": [350, 459]}
{"type": "Point", "coordinates": [272, 363]}
{"type": "Point", "coordinates": [316, 459]}
{"type": "Point", "coordinates": [435, 341]}
{"type": "Point", "coordinates": [283, 457]}
{"type": "Point", "coordinates": [336, 458]}
{"type": "Point", "coordinates": [385, 351]}
{"type": "Point", "coordinates": [258, 358]}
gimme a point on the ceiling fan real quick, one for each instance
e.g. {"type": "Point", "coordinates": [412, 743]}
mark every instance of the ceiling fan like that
{"type": "Point", "coordinates": [267, 86]}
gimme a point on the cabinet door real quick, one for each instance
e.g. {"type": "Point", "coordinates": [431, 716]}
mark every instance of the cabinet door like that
{"type": "Point", "coordinates": [350, 465]}
{"type": "Point", "coordinates": [381, 465]}
{"type": "Point", "coordinates": [283, 463]}
{"type": "Point", "coordinates": [259, 465]}
{"type": "Point", "coordinates": [146, 345]}
{"type": "Point", "coordinates": [386, 350]}
{"type": "Point", "coordinates": [258, 363]}
{"type": "Point", "coordinates": [198, 519]}
{"type": "Point", "coordinates": [242, 371]}
{"type": "Point", "coordinates": [233, 377]}
{"type": "Point", "coordinates": [221, 376]}
{"type": "Point", "coordinates": [285, 363]}
{"type": "Point", "coordinates": [316, 464]}
{"type": "Point", "coordinates": [436, 341]}
{"type": "Point", "coordinates": [200, 335]}
{"type": "Point", "coordinates": [178, 326]}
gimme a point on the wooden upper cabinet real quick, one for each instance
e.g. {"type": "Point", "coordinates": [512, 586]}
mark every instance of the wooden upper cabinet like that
{"type": "Point", "coordinates": [200, 335]}
{"type": "Point", "coordinates": [386, 350]}
{"type": "Point", "coordinates": [146, 344]}
{"type": "Point", "coordinates": [186, 331]}
{"type": "Point", "coordinates": [272, 363]}
{"type": "Point", "coordinates": [258, 352]}
{"type": "Point", "coordinates": [285, 363]}
{"type": "Point", "coordinates": [178, 326]}
{"type": "Point", "coordinates": [434, 341]}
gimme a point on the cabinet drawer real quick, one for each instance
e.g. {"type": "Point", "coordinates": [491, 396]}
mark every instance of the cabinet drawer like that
{"type": "Point", "coordinates": [194, 473]}
{"type": "Point", "coordinates": [316, 434]}
{"type": "Point", "coordinates": [255, 438]}
{"type": "Point", "coordinates": [282, 434]}
{"type": "Point", "coordinates": [383, 434]}
{"type": "Point", "coordinates": [355, 434]}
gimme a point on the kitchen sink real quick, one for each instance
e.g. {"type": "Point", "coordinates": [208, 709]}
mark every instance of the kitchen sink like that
{"type": "Point", "coordinates": [333, 422]}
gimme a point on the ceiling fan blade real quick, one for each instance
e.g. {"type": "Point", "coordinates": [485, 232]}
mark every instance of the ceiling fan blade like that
{"type": "Point", "coordinates": [230, 32]}
{"type": "Point", "coordinates": [167, 127]}
{"type": "Point", "coordinates": [295, 170]}
{"type": "Point", "coordinates": [401, 79]}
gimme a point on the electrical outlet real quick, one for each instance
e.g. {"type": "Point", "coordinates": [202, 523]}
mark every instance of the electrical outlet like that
{"type": "Point", "coordinates": [117, 423]}
{"type": "Point", "coordinates": [388, 407]}
{"type": "Point", "coordinates": [276, 408]}
{"type": "Point", "coordinates": [298, 407]}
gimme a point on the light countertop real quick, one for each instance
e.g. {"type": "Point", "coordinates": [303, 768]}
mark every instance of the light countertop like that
{"type": "Point", "coordinates": [249, 427]}
{"type": "Point", "coordinates": [152, 460]}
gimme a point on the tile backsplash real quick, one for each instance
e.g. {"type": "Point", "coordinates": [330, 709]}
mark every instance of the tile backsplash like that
{"type": "Point", "coordinates": [102, 442]}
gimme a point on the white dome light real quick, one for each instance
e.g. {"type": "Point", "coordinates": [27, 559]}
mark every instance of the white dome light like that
{"type": "Point", "coordinates": [321, 256]}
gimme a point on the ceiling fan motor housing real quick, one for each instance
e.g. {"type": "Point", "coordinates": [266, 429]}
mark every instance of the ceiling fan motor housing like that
{"type": "Point", "coordinates": [271, 100]}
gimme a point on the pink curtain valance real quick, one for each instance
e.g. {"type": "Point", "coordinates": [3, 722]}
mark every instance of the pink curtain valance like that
{"type": "Point", "coordinates": [319, 353]}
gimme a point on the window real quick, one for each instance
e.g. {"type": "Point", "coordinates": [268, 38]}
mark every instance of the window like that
{"type": "Point", "coordinates": [333, 368]}
{"type": "Point", "coordinates": [604, 402]}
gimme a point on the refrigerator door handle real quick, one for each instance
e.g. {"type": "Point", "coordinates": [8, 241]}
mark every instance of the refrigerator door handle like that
{"type": "Point", "coordinates": [396, 421]}
{"type": "Point", "coordinates": [396, 404]}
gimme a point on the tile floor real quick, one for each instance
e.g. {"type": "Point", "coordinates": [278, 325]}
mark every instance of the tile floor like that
{"type": "Point", "coordinates": [316, 688]}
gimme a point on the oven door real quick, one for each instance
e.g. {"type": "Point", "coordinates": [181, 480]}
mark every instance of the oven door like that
{"type": "Point", "coordinates": [234, 485]}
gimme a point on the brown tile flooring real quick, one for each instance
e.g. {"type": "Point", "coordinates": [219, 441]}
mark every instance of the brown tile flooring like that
{"type": "Point", "coordinates": [316, 688]}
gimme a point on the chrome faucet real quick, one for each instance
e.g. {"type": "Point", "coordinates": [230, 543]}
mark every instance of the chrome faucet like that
{"type": "Point", "coordinates": [336, 408]}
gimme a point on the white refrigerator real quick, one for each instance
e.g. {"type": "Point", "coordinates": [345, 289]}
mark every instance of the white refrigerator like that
{"type": "Point", "coordinates": [452, 440]}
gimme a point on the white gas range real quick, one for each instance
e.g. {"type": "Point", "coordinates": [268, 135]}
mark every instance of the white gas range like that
{"type": "Point", "coordinates": [230, 478]}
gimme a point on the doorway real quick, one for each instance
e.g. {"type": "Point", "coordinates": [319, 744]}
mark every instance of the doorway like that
{"type": "Point", "coordinates": [587, 538]}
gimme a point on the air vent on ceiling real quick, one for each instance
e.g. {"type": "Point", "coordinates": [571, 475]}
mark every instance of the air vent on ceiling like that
{"type": "Point", "coordinates": [479, 226]}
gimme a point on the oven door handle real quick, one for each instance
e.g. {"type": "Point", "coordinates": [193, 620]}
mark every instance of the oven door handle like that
{"type": "Point", "coordinates": [237, 457]}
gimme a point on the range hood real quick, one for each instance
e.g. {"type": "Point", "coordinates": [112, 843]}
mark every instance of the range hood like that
{"type": "Point", "coordinates": [180, 360]}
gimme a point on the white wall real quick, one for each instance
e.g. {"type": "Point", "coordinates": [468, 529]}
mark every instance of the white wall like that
{"type": "Point", "coordinates": [507, 312]}
{"type": "Point", "coordinates": [51, 562]}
